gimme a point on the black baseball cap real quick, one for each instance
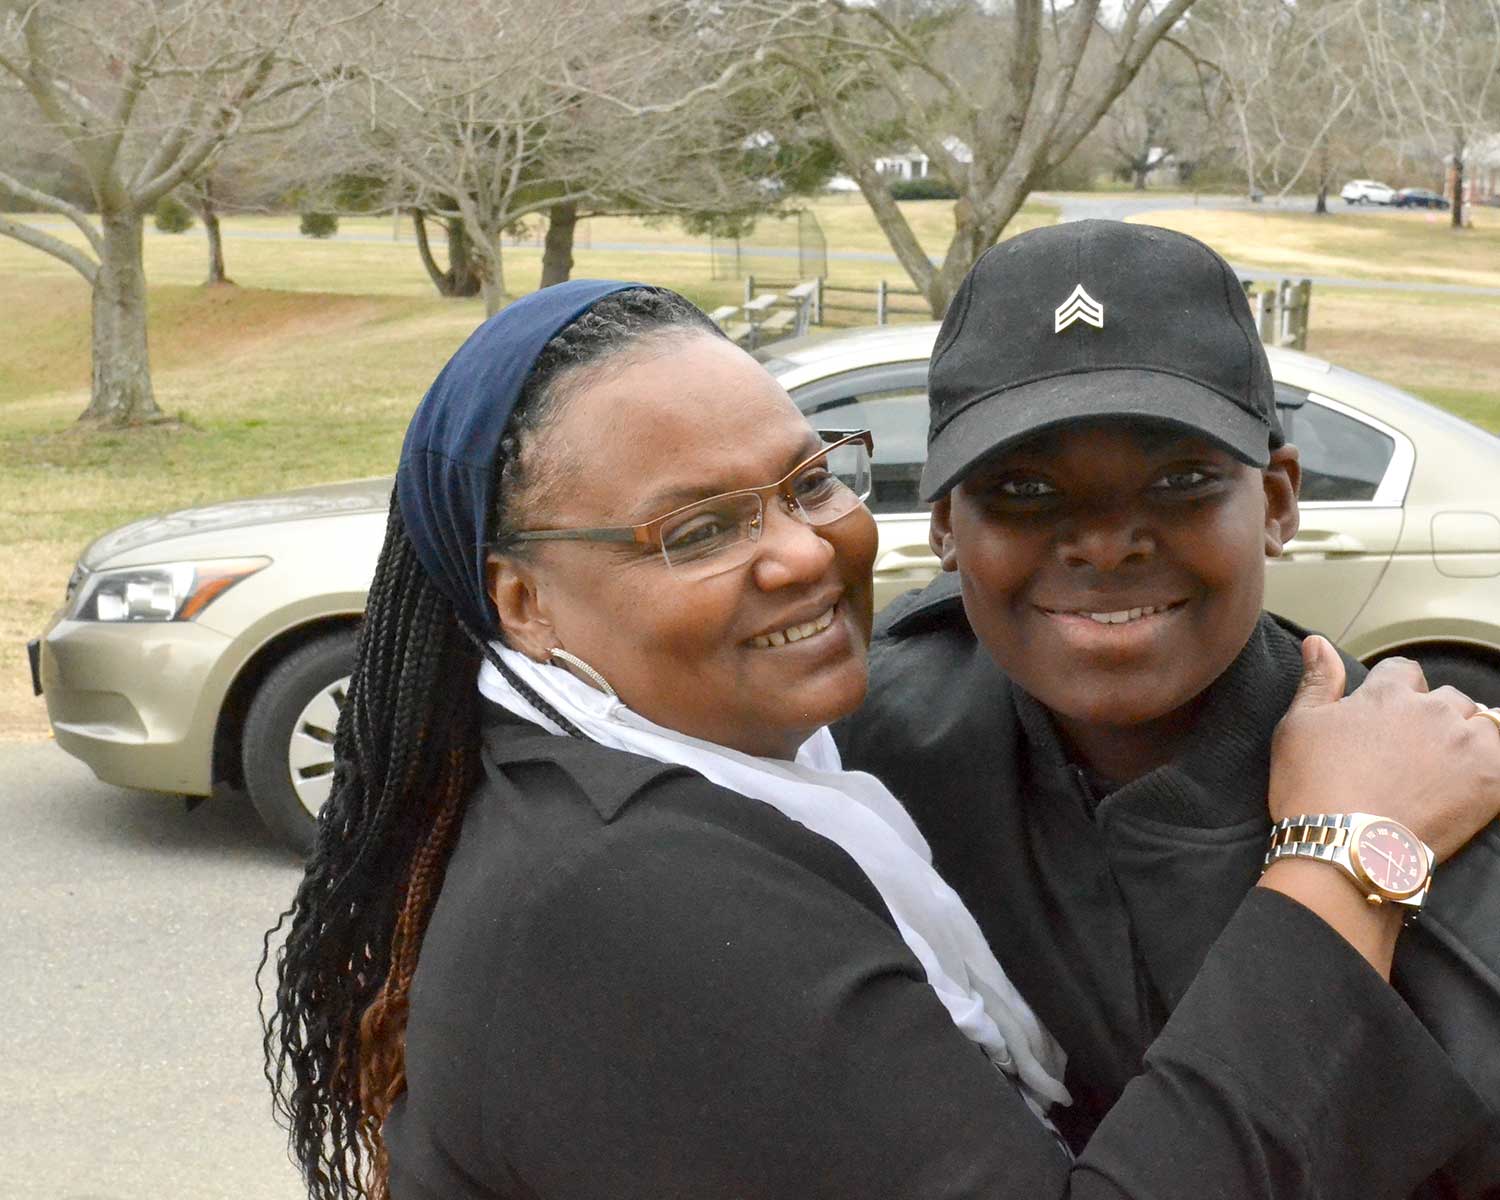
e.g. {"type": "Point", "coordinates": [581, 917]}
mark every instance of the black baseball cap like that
{"type": "Point", "coordinates": [1096, 319]}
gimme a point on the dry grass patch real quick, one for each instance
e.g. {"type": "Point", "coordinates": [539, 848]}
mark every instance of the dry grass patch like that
{"type": "Point", "coordinates": [1445, 349]}
{"type": "Point", "coordinates": [31, 587]}
{"type": "Point", "coordinates": [1412, 246]}
{"type": "Point", "coordinates": [375, 256]}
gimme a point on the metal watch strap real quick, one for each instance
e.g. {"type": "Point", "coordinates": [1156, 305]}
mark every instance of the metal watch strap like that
{"type": "Point", "coordinates": [1318, 836]}
{"type": "Point", "coordinates": [1326, 837]}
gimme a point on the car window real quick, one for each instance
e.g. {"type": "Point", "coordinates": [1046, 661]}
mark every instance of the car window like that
{"type": "Point", "coordinates": [1342, 459]}
{"type": "Point", "coordinates": [897, 417]}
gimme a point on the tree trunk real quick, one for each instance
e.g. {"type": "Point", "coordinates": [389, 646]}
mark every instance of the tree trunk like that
{"type": "Point", "coordinates": [424, 250]}
{"type": "Point", "coordinates": [210, 217]}
{"type": "Point", "coordinates": [463, 278]}
{"type": "Point", "coordinates": [1458, 188]}
{"type": "Point", "coordinates": [122, 392]}
{"type": "Point", "coordinates": [460, 279]}
{"type": "Point", "coordinates": [1322, 204]}
{"type": "Point", "coordinates": [557, 252]}
{"type": "Point", "coordinates": [977, 227]}
{"type": "Point", "coordinates": [491, 270]}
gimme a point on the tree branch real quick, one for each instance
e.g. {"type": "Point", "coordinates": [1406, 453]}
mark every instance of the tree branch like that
{"type": "Point", "coordinates": [54, 204]}
{"type": "Point", "coordinates": [56, 247]}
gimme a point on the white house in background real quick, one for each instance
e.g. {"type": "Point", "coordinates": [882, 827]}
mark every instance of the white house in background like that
{"type": "Point", "coordinates": [1482, 167]}
{"type": "Point", "coordinates": [1162, 167]}
{"type": "Point", "coordinates": [913, 164]}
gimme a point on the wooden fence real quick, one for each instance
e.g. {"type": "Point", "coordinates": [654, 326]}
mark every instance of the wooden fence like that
{"type": "Point", "coordinates": [1281, 310]}
{"type": "Point", "coordinates": [840, 304]}
{"type": "Point", "coordinates": [779, 308]}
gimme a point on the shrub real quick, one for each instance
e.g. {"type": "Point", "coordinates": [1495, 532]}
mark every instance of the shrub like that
{"type": "Point", "coordinates": [172, 215]}
{"type": "Point", "coordinates": [931, 188]}
{"type": "Point", "coordinates": [319, 224]}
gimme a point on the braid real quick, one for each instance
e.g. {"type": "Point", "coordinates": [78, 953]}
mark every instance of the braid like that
{"type": "Point", "coordinates": [407, 756]}
{"type": "Point", "coordinates": [528, 693]}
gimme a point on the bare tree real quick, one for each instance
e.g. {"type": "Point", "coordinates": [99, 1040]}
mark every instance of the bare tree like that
{"type": "Point", "coordinates": [1295, 78]}
{"type": "Point", "coordinates": [1438, 67]}
{"type": "Point", "coordinates": [470, 114]}
{"type": "Point", "coordinates": [243, 175]}
{"type": "Point", "coordinates": [139, 95]}
{"type": "Point", "coordinates": [1154, 121]}
{"type": "Point", "coordinates": [994, 95]}
{"type": "Point", "coordinates": [489, 116]}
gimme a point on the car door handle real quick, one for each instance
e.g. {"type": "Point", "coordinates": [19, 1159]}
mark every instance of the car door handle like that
{"type": "Point", "coordinates": [1322, 543]}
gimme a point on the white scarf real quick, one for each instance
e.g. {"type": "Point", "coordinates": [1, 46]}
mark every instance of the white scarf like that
{"type": "Point", "coordinates": [855, 811]}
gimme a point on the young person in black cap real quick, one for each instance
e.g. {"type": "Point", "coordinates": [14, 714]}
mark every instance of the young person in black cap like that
{"type": "Point", "coordinates": [1079, 714]}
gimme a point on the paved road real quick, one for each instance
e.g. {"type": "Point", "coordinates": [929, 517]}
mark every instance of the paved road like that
{"type": "Point", "coordinates": [131, 929]}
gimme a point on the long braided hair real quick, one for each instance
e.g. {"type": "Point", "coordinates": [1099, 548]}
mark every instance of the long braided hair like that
{"type": "Point", "coordinates": [406, 759]}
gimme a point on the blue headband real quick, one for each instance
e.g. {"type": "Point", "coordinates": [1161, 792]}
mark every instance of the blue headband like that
{"type": "Point", "coordinates": [445, 480]}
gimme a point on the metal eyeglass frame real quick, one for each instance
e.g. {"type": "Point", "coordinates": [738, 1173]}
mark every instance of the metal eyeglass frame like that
{"type": "Point", "coordinates": [648, 533]}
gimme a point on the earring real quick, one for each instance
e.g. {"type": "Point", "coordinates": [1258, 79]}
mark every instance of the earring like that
{"type": "Point", "coordinates": [574, 661]}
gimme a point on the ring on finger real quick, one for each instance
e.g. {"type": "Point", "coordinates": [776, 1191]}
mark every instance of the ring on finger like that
{"type": "Point", "coordinates": [1489, 714]}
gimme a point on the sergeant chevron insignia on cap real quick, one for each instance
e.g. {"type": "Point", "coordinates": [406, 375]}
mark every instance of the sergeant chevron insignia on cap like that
{"type": "Point", "coordinates": [1079, 306]}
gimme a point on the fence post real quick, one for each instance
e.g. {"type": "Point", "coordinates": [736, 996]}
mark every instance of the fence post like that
{"type": "Point", "coordinates": [749, 288]}
{"type": "Point", "coordinates": [817, 302]}
{"type": "Point", "coordinates": [1303, 292]}
{"type": "Point", "coordinates": [1284, 305]}
{"type": "Point", "coordinates": [880, 303]}
{"type": "Point", "coordinates": [1267, 311]}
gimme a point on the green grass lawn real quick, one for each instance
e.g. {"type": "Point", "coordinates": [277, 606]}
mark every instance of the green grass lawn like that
{"type": "Point", "coordinates": [309, 370]}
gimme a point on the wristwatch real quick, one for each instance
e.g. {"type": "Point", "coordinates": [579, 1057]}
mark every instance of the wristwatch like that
{"type": "Point", "coordinates": [1386, 860]}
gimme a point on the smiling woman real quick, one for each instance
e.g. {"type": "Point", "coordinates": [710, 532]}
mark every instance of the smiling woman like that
{"type": "Point", "coordinates": [713, 651]}
{"type": "Point", "coordinates": [596, 912]}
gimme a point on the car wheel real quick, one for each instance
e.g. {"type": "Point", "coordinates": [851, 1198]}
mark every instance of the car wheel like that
{"type": "Point", "coordinates": [1476, 678]}
{"type": "Point", "coordinates": [287, 747]}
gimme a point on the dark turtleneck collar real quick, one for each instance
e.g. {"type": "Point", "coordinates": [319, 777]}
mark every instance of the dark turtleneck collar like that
{"type": "Point", "coordinates": [1219, 777]}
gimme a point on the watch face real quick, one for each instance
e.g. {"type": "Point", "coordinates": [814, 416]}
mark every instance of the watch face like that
{"type": "Point", "coordinates": [1390, 858]}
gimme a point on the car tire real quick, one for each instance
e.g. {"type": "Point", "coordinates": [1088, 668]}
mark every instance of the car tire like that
{"type": "Point", "coordinates": [1470, 674]}
{"type": "Point", "coordinates": [287, 746]}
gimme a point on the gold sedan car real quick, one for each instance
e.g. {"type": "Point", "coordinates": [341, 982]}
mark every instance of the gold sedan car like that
{"type": "Point", "coordinates": [212, 647]}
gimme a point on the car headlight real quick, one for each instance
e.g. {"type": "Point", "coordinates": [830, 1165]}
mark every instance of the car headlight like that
{"type": "Point", "coordinates": [164, 592]}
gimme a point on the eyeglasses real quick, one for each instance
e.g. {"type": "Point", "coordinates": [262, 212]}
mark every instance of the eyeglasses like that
{"type": "Point", "coordinates": [708, 537]}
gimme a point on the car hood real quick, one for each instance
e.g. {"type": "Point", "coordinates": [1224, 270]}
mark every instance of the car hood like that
{"type": "Point", "coordinates": [332, 499]}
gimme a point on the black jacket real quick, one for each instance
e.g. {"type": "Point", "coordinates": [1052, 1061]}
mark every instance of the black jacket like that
{"type": "Point", "coordinates": [637, 984]}
{"type": "Point", "coordinates": [1102, 909]}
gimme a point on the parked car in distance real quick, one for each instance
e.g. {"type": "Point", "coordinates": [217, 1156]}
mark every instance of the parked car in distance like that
{"type": "Point", "coordinates": [1419, 198]}
{"type": "Point", "coordinates": [1367, 191]}
{"type": "Point", "coordinates": [213, 646]}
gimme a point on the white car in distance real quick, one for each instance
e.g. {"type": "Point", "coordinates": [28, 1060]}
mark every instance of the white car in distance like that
{"type": "Point", "coordinates": [1367, 191]}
